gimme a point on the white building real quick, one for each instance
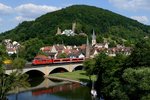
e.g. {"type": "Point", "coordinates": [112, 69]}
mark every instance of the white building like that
{"type": "Point", "coordinates": [68, 32]}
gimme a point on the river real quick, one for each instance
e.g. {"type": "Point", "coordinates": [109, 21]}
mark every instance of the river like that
{"type": "Point", "coordinates": [52, 90]}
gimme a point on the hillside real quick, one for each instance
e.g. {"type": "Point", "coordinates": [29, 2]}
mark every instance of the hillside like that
{"type": "Point", "coordinates": [112, 26]}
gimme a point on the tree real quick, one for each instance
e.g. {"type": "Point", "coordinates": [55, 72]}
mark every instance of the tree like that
{"type": "Point", "coordinates": [62, 55]}
{"type": "Point", "coordinates": [108, 79]}
{"type": "Point", "coordinates": [18, 64]}
{"type": "Point", "coordinates": [89, 66]}
{"type": "Point", "coordinates": [20, 81]}
{"type": "Point", "coordinates": [32, 47]}
{"type": "Point", "coordinates": [15, 79]}
{"type": "Point", "coordinates": [137, 83]}
{"type": "Point", "coordinates": [140, 55]}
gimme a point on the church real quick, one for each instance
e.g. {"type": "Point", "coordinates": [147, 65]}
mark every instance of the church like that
{"type": "Point", "coordinates": [94, 48]}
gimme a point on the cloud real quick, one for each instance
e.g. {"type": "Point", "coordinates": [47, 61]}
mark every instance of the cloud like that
{"type": "Point", "coordinates": [131, 4]}
{"type": "Point", "coordinates": [32, 11]}
{"type": "Point", "coordinates": [21, 19]}
{"type": "Point", "coordinates": [4, 9]}
{"type": "Point", "coordinates": [142, 19]}
{"type": "Point", "coordinates": [24, 12]}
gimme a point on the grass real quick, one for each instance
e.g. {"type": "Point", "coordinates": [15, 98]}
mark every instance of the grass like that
{"type": "Point", "coordinates": [76, 75]}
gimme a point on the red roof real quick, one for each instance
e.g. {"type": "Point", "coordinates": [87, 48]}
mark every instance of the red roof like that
{"type": "Point", "coordinates": [48, 48]}
{"type": "Point", "coordinates": [41, 56]}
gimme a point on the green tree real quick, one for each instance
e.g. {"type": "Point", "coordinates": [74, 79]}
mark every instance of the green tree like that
{"type": "Point", "coordinates": [62, 55]}
{"type": "Point", "coordinates": [89, 66]}
{"type": "Point", "coordinates": [15, 79]}
{"type": "Point", "coordinates": [108, 82]}
{"type": "Point", "coordinates": [137, 83]}
{"type": "Point", "coordinates": [32, 47]}
{"type": "Point", "coordinates": [18, 64]}
{"type": "Point", "coordinates": [140, 55]}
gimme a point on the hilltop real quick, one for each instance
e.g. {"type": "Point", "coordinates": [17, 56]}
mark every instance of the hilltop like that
{"type": "Point", "coordinates": [107, 25]}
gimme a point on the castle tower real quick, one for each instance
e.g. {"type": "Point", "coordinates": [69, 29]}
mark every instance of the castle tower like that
{"type": "Point", "coordinates": [58, 31]}
{"type": "Point", "coordinates": [87, 48]}
{"type": "Point", "coordinates": [73, 26]}
{"type": "Point", "coordinates": [93, 38]}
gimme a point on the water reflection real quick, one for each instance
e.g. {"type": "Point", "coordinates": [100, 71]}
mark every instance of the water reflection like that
{"type": "Point", "coordinates": [54, 90]}
{"type": "Point", "coordinates": [36, 81]}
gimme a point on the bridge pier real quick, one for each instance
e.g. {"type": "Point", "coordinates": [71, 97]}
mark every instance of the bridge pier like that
{"type": "Point", "coordinates": [46, 71]}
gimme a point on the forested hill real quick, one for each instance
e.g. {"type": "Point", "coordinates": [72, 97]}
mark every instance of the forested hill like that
{"type": "Point", "coordinates": [112, 26]}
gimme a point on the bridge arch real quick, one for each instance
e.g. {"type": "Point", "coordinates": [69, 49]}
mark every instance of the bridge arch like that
{"type": "Point", "coordinates": [59, 69]}
{"type": "Point", "coordinates": [79, 67]}
{"type": "Point", "coordinates": [34, 73]}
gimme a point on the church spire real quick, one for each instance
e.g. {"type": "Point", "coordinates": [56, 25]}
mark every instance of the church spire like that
{"type": "Point", "coordinates": [93, 38]}
{"type": "Point", "coordinates": [87, 48]}
{"type": "Point", "coordinates": [87, 41]}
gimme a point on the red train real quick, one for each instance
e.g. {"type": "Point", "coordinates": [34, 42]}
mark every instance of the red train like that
{"type": "Point", "coordinates": [43, 60]}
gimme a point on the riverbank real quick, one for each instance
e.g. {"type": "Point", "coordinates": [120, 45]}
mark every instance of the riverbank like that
{"type": "Point", "coordinates": [76, 76]}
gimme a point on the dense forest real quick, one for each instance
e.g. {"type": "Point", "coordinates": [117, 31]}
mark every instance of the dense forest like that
{"type": "Point", "coordinates": [107, 25]}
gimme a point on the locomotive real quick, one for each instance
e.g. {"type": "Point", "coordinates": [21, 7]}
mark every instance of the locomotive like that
{"type": "Point", "coordinates": [43, 60]}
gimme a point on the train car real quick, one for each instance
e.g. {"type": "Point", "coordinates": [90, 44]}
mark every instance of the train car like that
{"type": "Point", "coordinates": [61, 60]}
{"type": "Point", "coordinates": [77, 59]}
{"type": "Point", "coordinates": [68, 60]}
{"type": "Point", "coordinates": [41, 60]}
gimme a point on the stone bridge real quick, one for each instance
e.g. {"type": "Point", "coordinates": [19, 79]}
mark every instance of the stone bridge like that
{"type": "Point", "coordinates": [47, 69]}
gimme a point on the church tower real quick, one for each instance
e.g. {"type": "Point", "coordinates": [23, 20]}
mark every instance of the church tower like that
{"type": "Point", "coordinates": [73, 26]}
{"type": "Point", "coordinates": [87, 48]}
{"type": "Point", "coordinates": [93, 38]}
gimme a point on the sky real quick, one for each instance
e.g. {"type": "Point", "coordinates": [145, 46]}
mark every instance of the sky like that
{"type": "Point", "coordinates": [13, 12]}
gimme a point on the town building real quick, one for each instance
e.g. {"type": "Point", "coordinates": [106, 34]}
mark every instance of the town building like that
{"type": "Point", "coordinates": [56, 50]}
{"type": "Point", "coordinates": [11, 46]}
{"type": "Point", "coordinates": [86, 50]}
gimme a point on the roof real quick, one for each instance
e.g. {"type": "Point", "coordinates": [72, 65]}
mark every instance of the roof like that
{"type": "Point", "coordinates": [40, 56]}
{"type": "Point", "coordinates": [47, 48]}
